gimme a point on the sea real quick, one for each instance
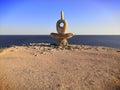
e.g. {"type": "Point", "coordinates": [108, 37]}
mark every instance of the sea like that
{"type": "Point", "coordinates": [93, 40]}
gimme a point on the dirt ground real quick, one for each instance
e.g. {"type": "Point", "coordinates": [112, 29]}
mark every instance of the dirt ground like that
{"type": "Point", "coordinates": [45, 68]}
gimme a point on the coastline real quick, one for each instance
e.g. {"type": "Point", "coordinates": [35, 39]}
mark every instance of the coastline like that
{"type": "Point", "coordinates": [48, 67]}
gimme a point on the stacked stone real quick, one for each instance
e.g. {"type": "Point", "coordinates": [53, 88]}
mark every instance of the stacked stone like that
{"type": "Point", "coordinates": [62, 36]}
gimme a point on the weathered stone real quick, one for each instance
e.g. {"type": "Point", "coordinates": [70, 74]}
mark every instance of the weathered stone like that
{"type": "Point", "coordinates": [61, 36]}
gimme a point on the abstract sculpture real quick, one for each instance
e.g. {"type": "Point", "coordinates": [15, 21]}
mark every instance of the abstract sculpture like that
{"type": "Point", "coordinates": [62, 36]}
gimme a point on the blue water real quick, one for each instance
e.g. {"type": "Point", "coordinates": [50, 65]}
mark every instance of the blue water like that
{"type": "Point", "coordinates": [94, 40]}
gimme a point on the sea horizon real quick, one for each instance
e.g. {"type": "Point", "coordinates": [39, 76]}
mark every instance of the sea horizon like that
{"type": "Point", "coordinates": [112, 41]}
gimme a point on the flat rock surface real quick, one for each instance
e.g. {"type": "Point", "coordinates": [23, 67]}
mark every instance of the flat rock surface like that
{"type": "Point", "coordinates": [39, 67]}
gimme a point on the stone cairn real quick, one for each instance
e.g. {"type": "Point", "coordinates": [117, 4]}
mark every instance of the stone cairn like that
{"type": "Point", "coordinates": [62, 36]}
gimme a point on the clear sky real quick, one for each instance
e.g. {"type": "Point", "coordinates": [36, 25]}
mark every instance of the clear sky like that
{"type": "Point", "coordinates": [40, 16]}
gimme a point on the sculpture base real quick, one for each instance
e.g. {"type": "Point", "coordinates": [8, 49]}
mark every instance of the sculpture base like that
{"type": "Point", "coordinates": [62, 38]}
{"type": "Point", "coordinates": [62, 42]}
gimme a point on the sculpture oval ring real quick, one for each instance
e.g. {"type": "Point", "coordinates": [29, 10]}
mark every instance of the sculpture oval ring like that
{"type": "Point", "coordinates": [61, 29]}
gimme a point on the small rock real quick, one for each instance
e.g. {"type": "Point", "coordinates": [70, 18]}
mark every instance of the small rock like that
{"type": "Point", "coordinates": [58, 85]}
{"type": "Point", "coordinates": [11, 50]}
{"type": "Point", "coordinates": [41, 52]}
{"type": "Point", "coordinates": [36, 55]}
{"type": "Point", "coordinates": [118, 50]}
{"type": "Point", "coordinates": [91, 82]}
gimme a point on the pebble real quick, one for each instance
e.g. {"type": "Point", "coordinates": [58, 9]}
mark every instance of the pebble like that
{"type": "Point", "coordinates": [36, 55]}
{"type": "Point", "coordinates": [118, 50]}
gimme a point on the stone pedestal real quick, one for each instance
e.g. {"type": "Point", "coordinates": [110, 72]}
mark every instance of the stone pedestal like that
{"type": "Point", "coordinates": [62, 36]}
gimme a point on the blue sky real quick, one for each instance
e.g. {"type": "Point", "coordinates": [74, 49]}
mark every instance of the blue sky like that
{"type": "Point", "coordinates": [85, 17]}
